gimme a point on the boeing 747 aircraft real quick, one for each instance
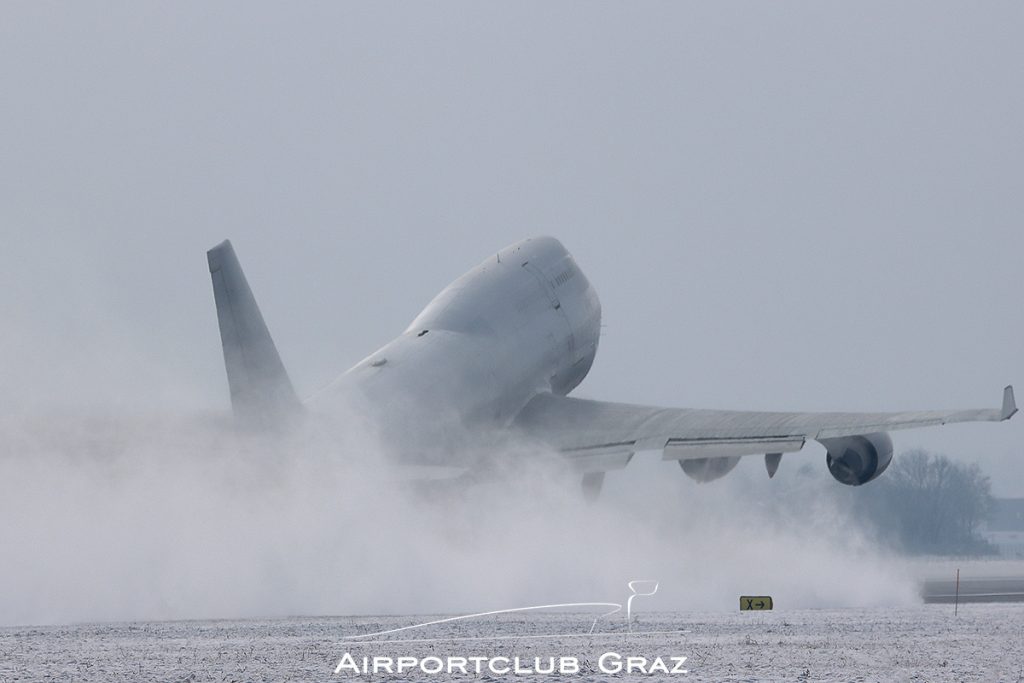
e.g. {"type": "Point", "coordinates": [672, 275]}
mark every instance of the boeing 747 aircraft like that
{"type": "Point", "coordinates": [493, 358]}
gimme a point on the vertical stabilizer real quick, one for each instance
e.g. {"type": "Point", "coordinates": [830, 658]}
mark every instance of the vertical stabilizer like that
{"type": "Point", "coordinates": [261, 393]}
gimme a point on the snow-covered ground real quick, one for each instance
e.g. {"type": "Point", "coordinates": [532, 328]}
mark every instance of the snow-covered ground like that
{"type": "Point", "coordinates": [984, 642]}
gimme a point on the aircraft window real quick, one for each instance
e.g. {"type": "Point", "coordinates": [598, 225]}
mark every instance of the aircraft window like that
{"type": "Point", "coordinates": [422, 333]}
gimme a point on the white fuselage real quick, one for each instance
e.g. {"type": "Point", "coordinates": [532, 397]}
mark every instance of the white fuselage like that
{"type": "Point", "coordinates": [523, 322]}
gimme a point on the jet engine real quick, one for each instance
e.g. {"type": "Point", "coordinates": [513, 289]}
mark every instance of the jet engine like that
{"type": "Point", "coordinates": [708, 469]}
{"type": "Point", "coordinates": [855, 460]}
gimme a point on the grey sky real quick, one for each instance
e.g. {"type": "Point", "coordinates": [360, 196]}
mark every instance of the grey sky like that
{"type": "Point", "coordinates": [782, 206]}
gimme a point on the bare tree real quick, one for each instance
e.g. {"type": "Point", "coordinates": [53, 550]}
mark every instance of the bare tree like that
{"type": "Point", "coordinates": [927, 503]}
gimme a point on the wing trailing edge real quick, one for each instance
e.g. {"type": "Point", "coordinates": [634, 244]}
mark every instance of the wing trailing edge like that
{"type": "Point", "coordinates": [588, 431]}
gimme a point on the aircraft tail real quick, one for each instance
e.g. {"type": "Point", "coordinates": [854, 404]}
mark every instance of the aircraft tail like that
{"type": "Point", "coordinates": [261, 392]}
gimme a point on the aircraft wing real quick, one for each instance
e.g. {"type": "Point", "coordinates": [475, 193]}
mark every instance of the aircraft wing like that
{"type": "Point", "coordinates": [597, 435]}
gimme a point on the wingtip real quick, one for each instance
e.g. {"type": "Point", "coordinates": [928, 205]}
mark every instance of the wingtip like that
{"type": "Point", "coordinates": [1009, 403]}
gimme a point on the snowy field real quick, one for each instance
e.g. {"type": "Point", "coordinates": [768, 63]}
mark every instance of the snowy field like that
{"type": "Point", "coordinates": [984, 642]}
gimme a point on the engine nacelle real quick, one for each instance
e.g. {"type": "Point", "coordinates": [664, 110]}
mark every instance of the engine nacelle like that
{"type": "Point", "coordinates": [708, 469]}
{"type": "Point", "coordinates": [856, 460]}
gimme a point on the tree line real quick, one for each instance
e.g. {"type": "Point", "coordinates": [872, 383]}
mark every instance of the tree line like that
{"type": "Point", "coordinates": [928, 504]}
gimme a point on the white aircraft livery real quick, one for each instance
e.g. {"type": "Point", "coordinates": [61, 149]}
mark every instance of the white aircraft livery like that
{"type": "Point", "coordinates": [493, 357]}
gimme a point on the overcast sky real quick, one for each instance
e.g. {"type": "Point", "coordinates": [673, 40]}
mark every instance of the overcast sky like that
{"type": "Point", "coordinates": [809, 206]}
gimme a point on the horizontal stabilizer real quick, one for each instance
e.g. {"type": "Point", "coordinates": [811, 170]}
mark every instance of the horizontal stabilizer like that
{"type": "Point", "coordinates": [261, 392]}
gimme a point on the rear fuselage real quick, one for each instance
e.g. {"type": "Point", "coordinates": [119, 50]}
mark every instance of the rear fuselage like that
{"type": "Point", "coordinates": [524, 321]}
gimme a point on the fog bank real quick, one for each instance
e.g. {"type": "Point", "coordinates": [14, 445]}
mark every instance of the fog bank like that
{"type": "Point", "coordinates": [107, 518]}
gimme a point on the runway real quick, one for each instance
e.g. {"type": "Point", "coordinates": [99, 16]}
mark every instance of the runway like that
{"type": "Point", "coordinates": [974, 589]}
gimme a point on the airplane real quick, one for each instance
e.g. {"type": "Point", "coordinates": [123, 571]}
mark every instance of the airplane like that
{"type": "Point", "coordinates": [494, 356]}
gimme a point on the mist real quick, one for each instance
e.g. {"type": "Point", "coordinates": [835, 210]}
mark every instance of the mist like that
{"type": "Point", "coordinates": [107, 518]}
